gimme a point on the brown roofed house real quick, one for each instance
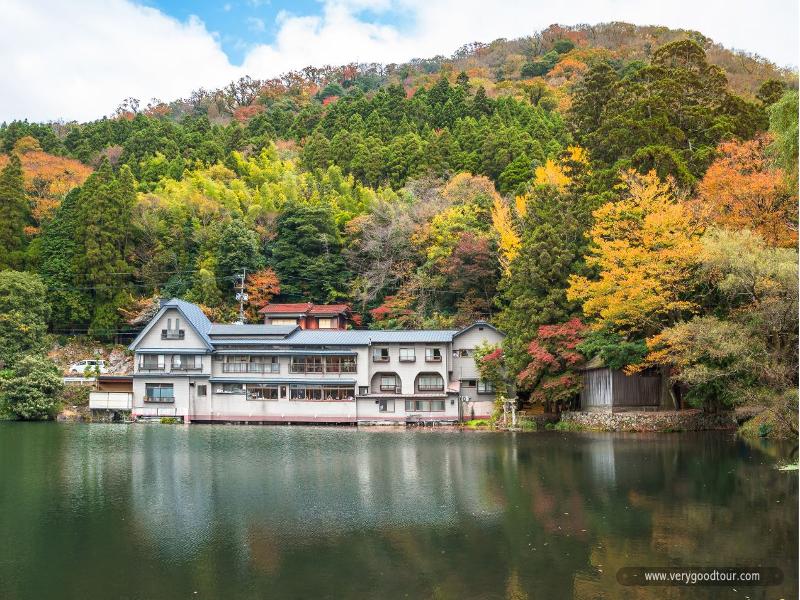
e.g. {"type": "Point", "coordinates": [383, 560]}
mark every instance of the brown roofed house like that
{"type": "Point", "coordinates": [307, 315]}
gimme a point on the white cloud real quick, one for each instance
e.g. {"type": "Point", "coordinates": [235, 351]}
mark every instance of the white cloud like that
{"type": "Point", "coordinates": [63, 63]}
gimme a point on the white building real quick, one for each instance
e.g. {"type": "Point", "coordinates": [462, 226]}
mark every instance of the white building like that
{"type": "Point", "coordinates": [188, 367]}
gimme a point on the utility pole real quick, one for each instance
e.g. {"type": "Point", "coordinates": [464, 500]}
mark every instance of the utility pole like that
{"type": "Point", "coordinates": [241, 296]}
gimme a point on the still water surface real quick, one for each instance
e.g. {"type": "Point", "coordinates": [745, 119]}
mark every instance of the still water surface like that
{"type": "Point", "coordinates": [166, 512]}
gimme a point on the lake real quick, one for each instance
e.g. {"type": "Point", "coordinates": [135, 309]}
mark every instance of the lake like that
{"type": "Point", "coordinates": [168, 512]}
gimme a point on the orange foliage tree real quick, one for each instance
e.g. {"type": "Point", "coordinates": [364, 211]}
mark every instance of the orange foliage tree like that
{"type": "Point", "coordinates": [261, 286]}
{"type": "Point", "coordinates": [742, 190]}
{"type": "Point", "coordinates": [48, 178]}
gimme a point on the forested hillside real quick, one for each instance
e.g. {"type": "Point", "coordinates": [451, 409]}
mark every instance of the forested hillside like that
{"type": "Point", "coordinates": [611, 191]}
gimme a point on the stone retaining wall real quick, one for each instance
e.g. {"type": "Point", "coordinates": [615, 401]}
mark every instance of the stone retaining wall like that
{"type": "Point", "coordinates": [683, 420]}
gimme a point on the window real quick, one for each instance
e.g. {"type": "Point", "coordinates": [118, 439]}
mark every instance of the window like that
{"type": "Point", "coordinates": [306, 364]}
{"type": "Point", "coordinates": [172, 333]}
{"type": "Point", "coordinates": [279, 321]}
{"type": "Point", "coordinates": [262, 392]}
{"type": "Point", "coordinates": [159, 392]}
{"type": "Point", "coordinates": [251, 364]}
{"type": "Point", "coordinates": [363, 390]}
{"type": "Point", "coordinates": [229, 388]}
{"type": "Point", "coordinates": [433, 355]}
{"type": "Point", "coordinates": [321, 392]}
{"type": "Point", "coordinates": [407, 355]}
{"type": "Point", "coordinates": [463, 353]}
{"type": "Point", "coordinates": [437, 405]}
{"type": "Point", "coordinates": [485, 387]}
{"type": "Point", "coordinates": [470, 383]}
{"type": "Point", "coordinates": [385, 405]}
{"type": "Point", "coordinates": [380, 354]}
{"type": "Point", "coordinates": [340, 364]}
{"type": "Point", "coordinates": [183, 362]}
{"type": "Point", "coordinates": [418, 405]}
{"type": "Point", "coordinates": [202, 390]}
{"type": "Point", "coordinates": [326, 323]}
{"type": "Point", "coordinates": [389, 383]}
{"type": "Point", "coordinates": [152, 361]}
{"type": "Point", "coordinates": [430, 383]}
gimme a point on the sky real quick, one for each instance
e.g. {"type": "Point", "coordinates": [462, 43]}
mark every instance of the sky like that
{"type": "Point", "coordinates": [80, 60]}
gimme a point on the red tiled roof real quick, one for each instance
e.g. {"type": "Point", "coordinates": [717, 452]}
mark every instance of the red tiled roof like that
{"type": "Point", "coordinates": [299, 307]}
{"type": "Point", "coordinates": [329, 309]}
{"type": "Point", "coordinates": [305, 308]}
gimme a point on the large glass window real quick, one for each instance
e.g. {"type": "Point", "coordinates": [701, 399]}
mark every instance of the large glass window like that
{"type": "Point", "coordinates": [262, 392]}
{"type": "Point", "coordinates": [340, 364]}
{"type": "Point", "coordinates": [159, 392]}
{"type": "Point", "coordinates": [184, 362]}
{"type": "Point", "coordinates": [326, 323]}
{"type": "Point", "coordinates": [306, 364]}
{"type": "Point", "coordinates": [433, 354]}
{"type": "Point", "coordinates": [485, 387]}
{"type": "Point", "coordinates": [389, 383]}
{"type": "Point", "coordinates": [151, 361]}
{"type": "Point", "coordinates": [321, 392]}
{"type": "Point", "coordinates": [386, 405]}
{"type": "Point", "coordinates": [407, 355]}
{"type": "Point", "coordinates": [424, 405]}
{"type": "Point", "coordinates": [430, 383]}
{"type": "Point", "coordinates": [229, 388]}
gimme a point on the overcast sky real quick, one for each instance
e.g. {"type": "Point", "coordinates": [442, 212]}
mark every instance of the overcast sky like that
{"type": "Point", "coordinates": [79, 60]}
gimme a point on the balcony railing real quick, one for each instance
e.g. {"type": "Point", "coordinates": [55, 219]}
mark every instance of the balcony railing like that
{"type": "Point", "coordinates": [110, 400]}
{"type": "Point", "coordinates": [379, 358]}
{"type": "Point", "coordinates": [186, 368]}
{"type": "Point", "coordinates": [433, 358]}
{"type": "Point", "coordinates": [408, 359]}
{"type": "Point", "coordinates": [394, 389]}
{"type": "Point", "coordinates": [160, 399]}
{"type": "Point", "coordinates": [150, 368]}
{"type": "Point", "coordinates": [250, 368]}
{"type": "Point", "coordinates": [322, 368]}
{"type": "Point", "coordinates": [430, 387]}
{"type": "Point", "coordinates": [173, 334]}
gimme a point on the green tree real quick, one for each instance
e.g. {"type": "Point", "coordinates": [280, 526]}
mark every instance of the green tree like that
{"type": "Point", "coordinates": [31, 390]}
{"type": "Point", "coordinates": [24, 311]}
{"type": "Point", "coordinates": [783, 124]}
{"type": "Point", "coordinates": [307, 254]}
{"type": "Point", "coordinates": [14, 214]}
{"type": "Point", "coordinates": [237, 248]}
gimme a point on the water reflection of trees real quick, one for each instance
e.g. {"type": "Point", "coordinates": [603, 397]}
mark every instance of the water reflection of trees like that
{"type": "Point", "coordinates": [234, 512]}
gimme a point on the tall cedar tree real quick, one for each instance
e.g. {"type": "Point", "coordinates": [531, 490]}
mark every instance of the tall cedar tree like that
{"type": "Point", "coordinates": [14, 214]}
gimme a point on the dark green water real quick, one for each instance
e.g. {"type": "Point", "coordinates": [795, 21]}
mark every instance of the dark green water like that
{"type": "Point", "coordinates": [152, 512]}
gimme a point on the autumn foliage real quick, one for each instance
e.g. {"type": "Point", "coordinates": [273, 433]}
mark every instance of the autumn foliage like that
{"type": "Point", "coordinates": [743, 190]}
{"type": "Point", "coordinates": [550, 375]}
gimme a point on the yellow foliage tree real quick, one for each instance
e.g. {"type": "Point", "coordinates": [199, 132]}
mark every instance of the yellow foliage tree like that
{"type": "Point", "coordinates": [645, 248]}
{"type": "Point", "coordinates": [508, 240]}
{"type": "Point", "coordinates": [551, 174]}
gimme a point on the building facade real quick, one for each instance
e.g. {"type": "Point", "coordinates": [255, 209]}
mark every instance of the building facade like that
{"type": "Point", "coordinates": [187, 367]}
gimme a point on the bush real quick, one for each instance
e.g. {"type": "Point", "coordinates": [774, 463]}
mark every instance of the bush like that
{"type": "Point", "coordinates": [169, 421]}
{"type": "Point", "coordinates": [31, 390]}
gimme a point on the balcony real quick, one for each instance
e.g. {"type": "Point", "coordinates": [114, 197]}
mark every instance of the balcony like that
{"type": "Point", "coordinates": [306, 368]}
{"type": "Point", "coordinates": [392, 389]}
{"type": "Point", "coordinates": [173, 334]}
{"type": "Point", "coordinates": [110, 400]}
{"type": "Point", "coordinates": [250, 368]}
{"type": "Point", "coordinates": [433, 387]}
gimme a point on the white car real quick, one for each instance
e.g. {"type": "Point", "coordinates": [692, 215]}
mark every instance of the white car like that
{"type": "Point", "coordinates": [84, 367]}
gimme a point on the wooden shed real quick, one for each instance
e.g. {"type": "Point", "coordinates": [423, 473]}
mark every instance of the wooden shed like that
{"type": "Point", "coordinates": [606, 389]}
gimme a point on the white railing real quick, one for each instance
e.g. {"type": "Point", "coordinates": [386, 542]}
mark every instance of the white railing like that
{"type": "Point", "coordinates": [111, 400]}
{"type": "Point", "coordinates": [151, 411]}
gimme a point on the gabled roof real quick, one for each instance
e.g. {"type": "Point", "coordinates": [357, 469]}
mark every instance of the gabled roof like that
{"type": "Point", "coordinates": [191, 313]}
{"type": "Point", "coordinates": [290, 308]}
{"type": "Point", "coordinates": [329, 309]}
{"type": "Point", "coordinates": [304, 308]}
{"type": "Point", "coordinates": [221, 329]}
{"type": "Point", "coordinates": [479, 324]}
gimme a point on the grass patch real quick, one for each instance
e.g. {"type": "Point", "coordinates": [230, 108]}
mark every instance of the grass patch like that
{"type": "Point", "coordinates": [478, 424]}
{"type": "Point", "coordinates": [169, 420]}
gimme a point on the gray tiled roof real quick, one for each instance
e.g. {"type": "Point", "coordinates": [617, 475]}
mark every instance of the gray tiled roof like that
{"type": "Point", "coordinates": [359, 337]}
{"type": "Point", "coordinates": [239, 329]}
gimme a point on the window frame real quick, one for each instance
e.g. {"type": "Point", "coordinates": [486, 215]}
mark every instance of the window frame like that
{"type": "Point", "coordinates": [159, 399]}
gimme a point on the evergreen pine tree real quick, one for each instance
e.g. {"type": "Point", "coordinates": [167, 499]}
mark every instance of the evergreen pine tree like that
{"type": "Point", "coordinates": [14, 214]}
